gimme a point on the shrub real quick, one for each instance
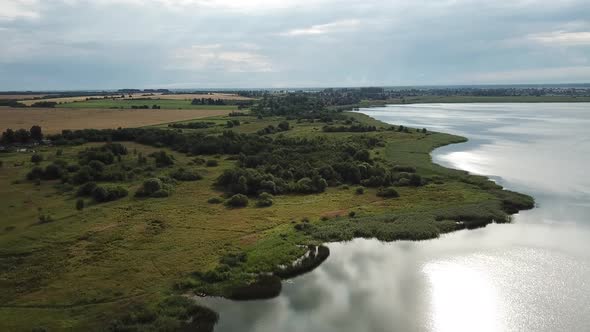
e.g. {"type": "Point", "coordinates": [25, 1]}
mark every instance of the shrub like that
{"type": "Point", "coordinates": [238, 200]}
{"type": "Point", "coordinates": [53, 172]}
{"type": "Point", "coordinates": [155, 187]}
{"type": "Point", "coordinates": [264, 200]}
{"type": "Point", "coordinates": [388, 192]}
{"type": "Point", "coordinates": [162, 159]}
{"type": "Point", "coordinates": [212, 163]}
{"type": "Point", "coordinates": [86, 189]}
{"type": "Point", "coordinates": [182, 174]}
{"type": "Point", "coordinates": [352, 214]}
{"type": "Point", "coordinates": [35, 174]}
{"type": "Point", "coordinates": [214, 200]}
{"type": "Point", "coordinates": [80, 204]}
{"type": "Point", "coordinates": [360, 190]}
{"type": "Point", "coordinates": [405, 169]}
{"type": "Point", "coordinates": [36, 158]}
{"type": "Point", "coordinates": [107, 194]}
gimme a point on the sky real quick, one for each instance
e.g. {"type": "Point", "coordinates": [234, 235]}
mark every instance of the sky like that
{"type": "Point", "coordinates": [111, 44]}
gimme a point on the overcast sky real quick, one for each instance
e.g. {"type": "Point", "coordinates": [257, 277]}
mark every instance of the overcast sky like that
{"type": "Point", "coordinates": [101, 44]}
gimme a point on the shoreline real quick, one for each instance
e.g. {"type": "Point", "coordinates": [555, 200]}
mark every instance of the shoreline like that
{"type": "Point", "coordinates": [459, 226]}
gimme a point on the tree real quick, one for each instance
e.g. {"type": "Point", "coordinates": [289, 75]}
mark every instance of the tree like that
{"type": "Point", "coordinates": [237, 200]}
{"type": "Point", "coordinates": [284, 126]}
{"type": "Point", "coordinates": [22, 136]}
{"type": "Point", "coordinates": [8, 137]}
{"type": "Point", "coordinates": [36, 133]}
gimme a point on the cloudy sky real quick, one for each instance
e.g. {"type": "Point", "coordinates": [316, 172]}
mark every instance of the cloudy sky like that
{"type": "Point", "coordinates": [83, 44]}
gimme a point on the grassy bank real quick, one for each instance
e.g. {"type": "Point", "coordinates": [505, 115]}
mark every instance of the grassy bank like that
{"type": "Point", "coordinates": [123, 264]}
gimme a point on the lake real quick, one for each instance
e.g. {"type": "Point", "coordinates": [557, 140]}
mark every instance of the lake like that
{"type": "Point", "coordinates": [531, 275]}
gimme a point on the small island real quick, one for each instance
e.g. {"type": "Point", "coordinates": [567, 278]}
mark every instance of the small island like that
{"type": "Point", "coordinates": [117, 228]}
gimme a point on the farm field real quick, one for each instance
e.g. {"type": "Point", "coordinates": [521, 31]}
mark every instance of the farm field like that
{"type": "Point", "coordinates": [54, 120]}
{"type": "Point", "coordinates": [130, 103]}
{"type": "Point", "coordinates": [28, 99]}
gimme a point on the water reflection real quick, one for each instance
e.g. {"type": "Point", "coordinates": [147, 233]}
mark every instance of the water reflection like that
{"type": "Point", "coordinates": [532, 275]}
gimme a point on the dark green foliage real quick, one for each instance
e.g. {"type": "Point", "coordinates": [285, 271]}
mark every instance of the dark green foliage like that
{"type": "Point", "coordinates": [357, 128]}
{"type": "Point", "coordinates": [163, 159]}
{"type": "Point", "coordinates": [388, 192]}
{"type": "Point", "coordinates": [192, 125]}
{"type": "Point", "coordinates": [37, 158]}
{"type": "Point", "coordinates": [44, 104]}
{"type": "Point", "coordinates": [212, 163]}
{"type": "Point", "coordinates": [35, 174]}
{"type": "Point", "coordinates": [86, 189]}
{"type": "Point", "coordinates": [36, 133]}
{"type": "Point", "coordinates": [406, 169]}
{"type": "Point", "coordinates": [156, 188]}
{"type": "Point", "coordinates": [234, 259]}
{"type": "Point", "coordinates": [265, 287]}
{"type": "Point", "coordinates": [264, 200]}
{"type": "Point", "coordinates": [215, 200]}
{"type": "Point", "coordinates": [182, 174]}
{"type": "Point", "coordinates": [237, 200]}
{"type": "Point", "coordinates": [175, 313]}
{"type": "Point", "coordinates": [108, 193]}
{"type": "Point", "coordinates": [79, 204]}
{"type": "Point", "coordinates": [359, 190]}
{"type": "Point", "coordinates": [351, 214]}
{"type": "Point", "coordinates": [284, 126]}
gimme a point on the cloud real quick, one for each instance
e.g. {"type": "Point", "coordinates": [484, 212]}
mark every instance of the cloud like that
{"type": "Point", "coordinates": [561, 38]}
{"type": "Point", "coordinates": [216, 57]}
{"type": "Point", "coordinates": [16, 9]}
{"type": "Point", "coordinates": [553, 74]}
{"type": "Point", "coordinates": [320, 29]}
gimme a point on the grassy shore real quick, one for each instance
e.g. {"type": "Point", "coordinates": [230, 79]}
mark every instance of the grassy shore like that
{"type": "Point", "coordinates": [110, 263]}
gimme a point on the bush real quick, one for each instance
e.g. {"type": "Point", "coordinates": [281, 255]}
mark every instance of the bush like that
{"type": "Point", "coordinates": [36, 158]}
{"type": "Point", "coordinates": [45, 218]}
{"type": "Point", "coordinates": [237, 200]}
{"type": "Point", "coordinates": [86, 189]}
{"type": "Point", "coordinates": [182, 174]}
{"type": "Point", "coordinates": [264, 200]}
{"type": "Point", "coordinates": [154, 187]}
{"type": "Point", "coordinates": [162, 159]}
{"type": "Point", "coordinates": [107, 194]}
{"type": "Point", "coordinates": [35, 174]}
{"type": "Point", "coordinates": [214, 200]}
{"type": "Point", "coordinates": [388, 192]}
{"type": "Point", "coordinates": [80, 204]}
{"type": "Point", "coordinates": [405, 169]}
{"type": "Point", "coordinates": [212, 163]}
{"type": "Point", "coordinates": [360, 190]}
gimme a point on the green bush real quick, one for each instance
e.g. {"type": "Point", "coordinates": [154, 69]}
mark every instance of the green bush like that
{"type": "Point", "coordinates": [388, 192]}
{"type": "Point", "coordinates": [36, 158]}
{"type": "Point", "coordinates": [108, 193]}
{"type": "Point", "coordinates": [212, 163]}
{"type": "Point", "coordinates": [86, 189]}
{"type": "Point", "coordinates": [182, 174]}
{"type": "Point", "coordinates": [80, 204]}
{"type": "Point", "coordinates": [264, 200]}
{"type": "Point", "coordinates": [238, 200]}
{"type": "Point", "coordinates": [360, 190]}
{"type": "Point", "coordinates": [214, 200]}
{"type": "Point", "coordinates": [155, 187]}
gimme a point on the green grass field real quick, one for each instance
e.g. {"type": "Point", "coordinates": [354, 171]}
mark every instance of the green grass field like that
{"type": "Point", "coordinates": [129, 103]}
{"type": "Point", "coordinates": [87, 267]}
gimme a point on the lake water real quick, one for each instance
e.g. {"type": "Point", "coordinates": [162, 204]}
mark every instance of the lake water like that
{"type": "Point", "coordinates": [532, 275]}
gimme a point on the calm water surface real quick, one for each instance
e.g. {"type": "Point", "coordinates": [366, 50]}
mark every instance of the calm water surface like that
{"type": "Point", "coordinates": [532, 275]}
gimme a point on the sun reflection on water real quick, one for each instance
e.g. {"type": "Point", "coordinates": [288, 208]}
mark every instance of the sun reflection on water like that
{"type": "Point", "coordinates": [462, 299]}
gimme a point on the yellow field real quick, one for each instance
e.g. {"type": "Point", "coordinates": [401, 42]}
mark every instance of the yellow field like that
{"type": "Point", "coordinates": [54, 120]}
{"type": "Point", "coordinates": [186, 96]}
